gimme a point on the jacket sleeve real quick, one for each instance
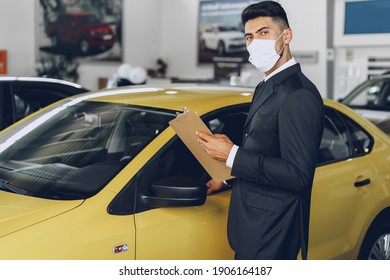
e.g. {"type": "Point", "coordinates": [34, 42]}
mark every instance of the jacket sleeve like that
{"type": "Point", "coordinates": [300, 121]}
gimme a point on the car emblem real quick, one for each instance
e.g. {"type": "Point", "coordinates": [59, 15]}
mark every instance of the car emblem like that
{"type": "Point", "coordinates": [120, 248]}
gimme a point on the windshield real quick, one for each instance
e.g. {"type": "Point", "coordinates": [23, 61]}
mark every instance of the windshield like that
{"type": "Point", "coordinates": [372, 94]}
{"type": "Point", "coordinates": [71, 152]}
{"type": "Point", "coordinates": [88, 19]}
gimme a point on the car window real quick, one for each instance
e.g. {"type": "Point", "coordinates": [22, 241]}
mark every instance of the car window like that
{"type": "Point", "coordinates": [334, 143]}
{"type": "Point", "coordinates": [27, 99]}
{"type": "Point", "coordinates": [175, 160]}
{"type": "Point", "coordinates": [362, 142]}
{"type": "Point", "coordinates": [371, 94]}
{"type": "Point", "coordinates": [72, 151]}
{"type": "Point", "coordinates": [88, 19]}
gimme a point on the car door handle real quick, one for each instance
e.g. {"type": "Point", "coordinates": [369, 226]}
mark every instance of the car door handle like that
{"type": "Point", "coordinates": [362, 183]}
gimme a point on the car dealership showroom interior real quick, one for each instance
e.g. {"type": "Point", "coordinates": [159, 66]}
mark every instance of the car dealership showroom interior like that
{"type": "Point", "coordinates": [195, 130]}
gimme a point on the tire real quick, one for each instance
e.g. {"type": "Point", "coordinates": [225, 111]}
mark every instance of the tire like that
{"type": "Point", "coordinates": [376, 244]}
{"type": "Point", "coordinates": [221, 48]}
{"type": "Point", "coordinates": [84, 46]}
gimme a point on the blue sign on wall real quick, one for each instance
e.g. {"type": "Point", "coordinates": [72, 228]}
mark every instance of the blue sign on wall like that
{"type": "Point", "coordinates": [367, 17]}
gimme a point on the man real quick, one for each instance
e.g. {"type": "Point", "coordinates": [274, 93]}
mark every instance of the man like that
{"type": "Point", "coordinates": [274, 166]}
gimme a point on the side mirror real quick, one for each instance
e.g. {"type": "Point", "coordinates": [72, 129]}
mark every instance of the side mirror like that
{"type": "Point", "coordinates": [176, 191]}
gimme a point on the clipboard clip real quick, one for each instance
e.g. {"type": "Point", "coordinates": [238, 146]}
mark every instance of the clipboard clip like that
{"type": "Point", "coordinates": [185, 110]}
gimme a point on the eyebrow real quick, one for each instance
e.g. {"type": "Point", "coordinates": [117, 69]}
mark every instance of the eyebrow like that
{"type": "Point", "coordinates": [258, 30]}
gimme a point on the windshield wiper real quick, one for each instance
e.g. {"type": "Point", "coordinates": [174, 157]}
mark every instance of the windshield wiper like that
{"type": "Point", "coordinates": [5, 185]}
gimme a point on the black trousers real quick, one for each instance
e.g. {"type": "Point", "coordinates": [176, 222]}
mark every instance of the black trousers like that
{"type": "Point", "coordinates": [288, 254]}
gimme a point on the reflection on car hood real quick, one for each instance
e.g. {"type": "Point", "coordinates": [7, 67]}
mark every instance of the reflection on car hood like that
{"type": "Point", "coordinates": [18, 211]}
{"type": "Point", "coordinates": [374, 116]}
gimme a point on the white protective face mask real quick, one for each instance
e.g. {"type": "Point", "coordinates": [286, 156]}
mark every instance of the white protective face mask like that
{"type": "Point", "coordinates": [262, 53]}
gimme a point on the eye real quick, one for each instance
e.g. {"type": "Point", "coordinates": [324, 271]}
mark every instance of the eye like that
{"type": "Point", "coordinates": [248, 38]}
{"type": "Point", "coordinates": [263, 33]}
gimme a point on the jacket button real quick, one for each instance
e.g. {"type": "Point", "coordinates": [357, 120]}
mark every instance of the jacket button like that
{"type": "Point", "coordinates": [246, 135]}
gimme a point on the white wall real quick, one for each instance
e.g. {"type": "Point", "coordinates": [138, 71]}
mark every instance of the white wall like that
{"type": "Point", "coordinates": [17, 35]}
{"type": "Point", "coordinates": [141, 41]}
{"type": "Point", "coordinates": [164, 29]}
{"type": "Point", "coordinates": [308, 22]}
{"type": "Point", "coordinates": [351, 67]}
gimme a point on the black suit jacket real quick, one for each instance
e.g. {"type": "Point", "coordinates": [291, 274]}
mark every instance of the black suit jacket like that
{"type": "Point", "coordinates": [274, 167]}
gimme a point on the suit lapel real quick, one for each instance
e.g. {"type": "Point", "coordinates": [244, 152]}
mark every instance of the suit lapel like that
{"type": "Point", "coordinates": [258, 99]}
{"type": "Point", "coordinates": [267, 90]}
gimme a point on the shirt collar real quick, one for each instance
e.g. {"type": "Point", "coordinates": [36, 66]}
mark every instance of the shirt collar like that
{"type": "Point", "coordinates": [289, 63]}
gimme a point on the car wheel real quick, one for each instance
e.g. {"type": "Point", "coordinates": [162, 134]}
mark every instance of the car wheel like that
{"type": "Point", "coordinates": [221, 48]}
{"type": "Point", "coordinates": [84, 46]}
{"type": "Point", "coordinates": [376, 245]}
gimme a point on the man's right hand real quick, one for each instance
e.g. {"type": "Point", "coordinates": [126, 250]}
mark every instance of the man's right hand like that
{"type": "Point", "coordinates": [213, 186]}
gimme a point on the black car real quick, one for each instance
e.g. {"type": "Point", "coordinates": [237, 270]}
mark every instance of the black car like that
{"type": "Point", "coordinates": [21, 96]}
{"type": "Point", "coordinates": [371, 99]}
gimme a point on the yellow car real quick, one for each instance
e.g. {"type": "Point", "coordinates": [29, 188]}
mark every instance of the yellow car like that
{"type": "Point", "coordinates": [103, 176]}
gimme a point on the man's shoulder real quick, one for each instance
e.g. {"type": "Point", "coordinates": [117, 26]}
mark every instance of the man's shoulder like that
{"type": "Point", "coordinates": [298, 88]}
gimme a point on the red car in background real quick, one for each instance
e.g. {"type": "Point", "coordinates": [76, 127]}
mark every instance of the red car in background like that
{"type": "Point", "coordinates": [81, 30]}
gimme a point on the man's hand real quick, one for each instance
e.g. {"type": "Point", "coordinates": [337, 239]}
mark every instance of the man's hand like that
{"type": "Point", "coordinates": [217, 146]}
{"type": "Point", "coordinates": [213, 186]}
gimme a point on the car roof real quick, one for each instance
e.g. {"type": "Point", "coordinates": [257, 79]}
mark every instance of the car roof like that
{"type": "Point", "coordinates": [201, 98]}
{"type": "Point", "coordinates": [38, 79]}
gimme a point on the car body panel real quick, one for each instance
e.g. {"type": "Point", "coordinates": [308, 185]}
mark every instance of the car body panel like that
{"type": "Point", "coordinates": [29, 211]}
{"type": "Point", "coordinates": [197, 230]}
{"type": "Point", "coordinates": [92, 234]}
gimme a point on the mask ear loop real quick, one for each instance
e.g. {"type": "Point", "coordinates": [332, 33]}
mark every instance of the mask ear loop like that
{"type": "Point", "coordinates": [279, 53]}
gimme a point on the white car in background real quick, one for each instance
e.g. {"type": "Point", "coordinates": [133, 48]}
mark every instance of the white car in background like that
{"type": "Point", "coordinates": [371, 99]}
{"type": "Point", "coordinates": [223, 39]}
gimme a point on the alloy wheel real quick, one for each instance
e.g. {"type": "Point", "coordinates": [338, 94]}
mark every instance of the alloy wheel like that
{"type": "Point", "coordinates": [381, 248]}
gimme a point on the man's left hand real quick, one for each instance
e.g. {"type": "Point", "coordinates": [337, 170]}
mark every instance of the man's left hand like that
{"type": "Point", "coordinates": [217, 146]}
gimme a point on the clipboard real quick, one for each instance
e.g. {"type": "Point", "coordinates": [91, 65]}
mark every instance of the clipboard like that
{"type": "Point", "coordinates": [185, 125]}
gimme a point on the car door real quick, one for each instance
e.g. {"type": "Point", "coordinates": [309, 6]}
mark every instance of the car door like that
{"type": "Point", "coordinates": [343, 181]}
{"type": "Point", "coordinates": [194, 232]}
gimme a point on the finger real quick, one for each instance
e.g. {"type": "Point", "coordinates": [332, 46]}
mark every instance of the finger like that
{"type": "Point", "coordinates": [202, 142]}
{"type": "Point", "coordinates": [220, 135]}
{"type": "Point", "coordinates": [203, 136]}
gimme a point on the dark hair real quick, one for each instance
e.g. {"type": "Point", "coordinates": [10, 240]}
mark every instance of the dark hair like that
{"type": "Point", "coordinates": [266, 9]}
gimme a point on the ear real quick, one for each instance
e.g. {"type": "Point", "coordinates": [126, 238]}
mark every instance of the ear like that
{"type": "Point", "coordinates": [287, 37]}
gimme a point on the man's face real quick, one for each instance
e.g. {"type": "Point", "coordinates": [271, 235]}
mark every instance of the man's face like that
{"type": "Point", "coordinates": [261, 28]}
